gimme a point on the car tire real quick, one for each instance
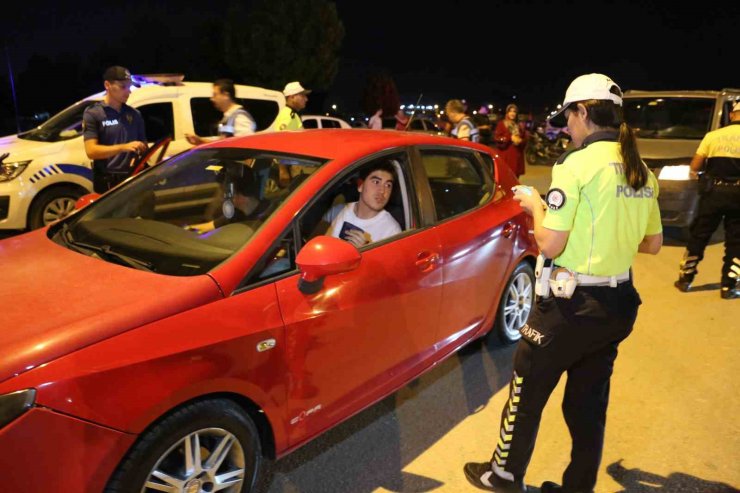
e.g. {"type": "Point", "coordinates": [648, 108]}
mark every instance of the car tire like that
{"type": "Point", "coordinates": [52, 204]}
{"type": "Point", "coordinates": [160, 452]}
{"type": "Point", "coordinates": [516, 303]}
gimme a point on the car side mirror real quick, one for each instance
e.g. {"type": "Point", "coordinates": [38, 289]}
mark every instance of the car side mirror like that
{"type": "Point", "coordinates": [86, 200]}
{"type": "Point", "coordinates": [324, 256]}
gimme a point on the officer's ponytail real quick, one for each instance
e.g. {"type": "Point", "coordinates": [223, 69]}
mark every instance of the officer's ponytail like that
{"type": "Point", "coordinates": [605, 113]}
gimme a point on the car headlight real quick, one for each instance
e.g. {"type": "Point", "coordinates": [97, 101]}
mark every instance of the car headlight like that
{"type": "Point", "coordinates": [680, 172]}
{"type": "Point", "coordinates": [14, 404]}
{"type": "Point", "coordinates": [9, 171]}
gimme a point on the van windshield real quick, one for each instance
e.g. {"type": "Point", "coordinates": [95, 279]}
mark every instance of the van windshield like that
{"type": "Point", "coordinates": [669, 118]}
{"type": "Point", "coordinates": [65, 125]}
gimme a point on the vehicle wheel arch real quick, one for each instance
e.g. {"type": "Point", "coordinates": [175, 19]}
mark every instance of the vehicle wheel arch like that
{"type": "Point", "coordinates": [37, 199]}
{"type": "Point", "coordinates": [522, 265]}
{"type": "Point", "coordinates": [251, 408]}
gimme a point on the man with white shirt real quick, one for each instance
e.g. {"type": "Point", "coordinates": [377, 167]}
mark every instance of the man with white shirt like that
{"type": "Point", "coordinates": [366, 220]}
{"type": "Point", "coordinates": [236, 121]}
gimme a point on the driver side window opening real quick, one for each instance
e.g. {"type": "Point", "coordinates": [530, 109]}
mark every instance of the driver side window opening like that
{"type": "Point", "coordinates": [317, 219]}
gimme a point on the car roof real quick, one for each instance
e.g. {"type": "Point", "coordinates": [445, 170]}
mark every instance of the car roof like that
{"type": "Point", "coordinates": [344, 142]}
{"type": "Point", "coordinates": [637, 93]}
{"type": "Point", "coordinates": [185, 86]}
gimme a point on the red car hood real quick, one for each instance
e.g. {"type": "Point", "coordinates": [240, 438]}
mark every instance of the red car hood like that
{"type": "Point", "coordinates": [55, 301]}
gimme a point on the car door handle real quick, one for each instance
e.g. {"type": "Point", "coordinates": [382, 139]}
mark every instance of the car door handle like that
{"type": "Point", "coordinates": [426, 261]}
{"type": "Point", "coordinates": [508, 229]}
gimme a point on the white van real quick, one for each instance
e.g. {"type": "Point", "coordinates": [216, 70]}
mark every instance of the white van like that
{"type": "Point", "coordinates": [668, 126]}
{"type": "Point", "coordinates": [46, 168]}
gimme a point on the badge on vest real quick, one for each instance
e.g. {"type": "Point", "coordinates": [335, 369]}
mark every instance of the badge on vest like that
{"type": "Point", "coordinates": [555, 199]}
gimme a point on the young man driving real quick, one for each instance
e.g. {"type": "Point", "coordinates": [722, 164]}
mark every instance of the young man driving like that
{"type": "Point", "coordinates": [366, 220]}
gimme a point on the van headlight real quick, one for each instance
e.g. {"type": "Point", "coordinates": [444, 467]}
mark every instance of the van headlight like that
{"type": "Point", "coordinates": [678, 173]}
{"type": "Point", "coordinates": [14, 404]}
{"type": "Point", "coordinates": [9, 171]}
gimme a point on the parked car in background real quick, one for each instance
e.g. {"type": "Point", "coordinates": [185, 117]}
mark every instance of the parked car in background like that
{"type": "Point", "coordinates": [172, 360]}
{"type": "Point", "coordinates": [669, 125]}
{"type": "Point", "coordinates": [47, 168]}
{"type": "Point", "coordinates": [322, 121]}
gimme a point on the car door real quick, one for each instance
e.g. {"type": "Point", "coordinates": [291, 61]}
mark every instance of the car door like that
{"type": "Point", "coordinates": [477, 238]}
{"type": "Point", "coordinates": [366, 331]}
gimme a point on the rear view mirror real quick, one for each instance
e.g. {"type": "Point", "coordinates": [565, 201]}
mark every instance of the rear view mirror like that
{"type": "Point", "coordinates": [324, 256]}
{"type": "Point", "coordinates": [86, 200]}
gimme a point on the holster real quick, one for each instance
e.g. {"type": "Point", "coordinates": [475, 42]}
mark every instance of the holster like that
{"type": "Point", "coordinates": [705, 183]}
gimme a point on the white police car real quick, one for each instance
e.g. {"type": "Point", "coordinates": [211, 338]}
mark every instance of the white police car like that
{"type": "Point", "coordinates": [46, 168]}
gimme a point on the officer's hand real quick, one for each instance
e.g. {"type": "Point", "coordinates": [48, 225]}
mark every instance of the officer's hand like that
{"type": "Point", "coordinates": [135, 146]}
{"type": "Point", "coordinates": [356, 237]}
{"type": "Point", "coordinates": [528, 198]}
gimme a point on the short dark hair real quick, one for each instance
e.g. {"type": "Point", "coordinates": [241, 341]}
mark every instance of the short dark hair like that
{"type": "Point", "coordinates": [379, 166]}
{"type": "Point", "coordinates": [241, 175]}
{"type": "Point", "coordinates": [227, 86]}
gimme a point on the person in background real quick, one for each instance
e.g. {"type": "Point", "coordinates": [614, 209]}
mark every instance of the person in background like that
{"type": "Point", "coordinates": [236, 120]}
{"type": "Point", "coordinates": [462, 126]}
{"type": "Point", "coordinates": [510, 138]}
{"type": "Point", "coordinates": [719, 156]}
{"type": "Point", "coordinates": [296, 98]}
{"type": "Point", "coordinates": [376, 121]}
{"type": "Point", "coordinates": [601, 210]}
{"type": "Point", "coordinates": [113, 132]}
{"type": "Point", "coordinates": [402, 120]}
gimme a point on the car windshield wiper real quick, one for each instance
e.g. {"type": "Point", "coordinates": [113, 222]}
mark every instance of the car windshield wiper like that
{"type": "Point", "coordinates": [105, 250]}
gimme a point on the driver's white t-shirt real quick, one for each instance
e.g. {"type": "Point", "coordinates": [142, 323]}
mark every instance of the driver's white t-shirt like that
{"type": "Point", "coordinates": [377, 228]}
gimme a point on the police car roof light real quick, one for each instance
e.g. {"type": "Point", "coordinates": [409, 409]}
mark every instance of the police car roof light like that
{"type": "Point", "coordinates": [159, 79]}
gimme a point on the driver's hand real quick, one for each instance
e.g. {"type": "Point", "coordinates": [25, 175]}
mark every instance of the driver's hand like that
{"type": "Point", "coordinates": [356, 237]}
{"type": "Point", "coordinates": [193, 139]}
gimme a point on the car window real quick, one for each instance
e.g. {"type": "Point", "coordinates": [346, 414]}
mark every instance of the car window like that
{"type": "Point", "coordinates": [669, 118]}
{"type": "Point", "coordinates": [264, 111]}
{"type": "Point", "coordinates": [326, 123]}
{"type": "Point", "coordinates": [65, 125]}
{"type": "Point", "coordinates": [205, 117]}
{"type": "Point", "coordinates": [188, 214]}
{"type": "Point", "coordinates": [316, 219]}
{"type": "Point", "coordinates": [159, 121]}
{"type": "Point", "coordinates": [457, 181]}
{"type": "Point", "coordinates": [310, 123]}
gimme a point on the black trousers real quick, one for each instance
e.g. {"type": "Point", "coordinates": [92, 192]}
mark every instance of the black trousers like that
{"type": "Point", "coordinates": [577, 336]}
{"type": "Point", "coordinates": [104, 181]}
{"type": "Point", "coordinates": [722, 202]}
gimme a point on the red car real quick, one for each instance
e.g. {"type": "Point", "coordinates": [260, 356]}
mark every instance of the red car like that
{"type": "Point", "coordinates": [151, 352]}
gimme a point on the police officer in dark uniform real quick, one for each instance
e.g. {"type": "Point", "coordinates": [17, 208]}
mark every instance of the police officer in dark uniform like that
{"type": "Point", "coordinates": [719, 199]}
{"type": "Point", "coordinates": [113, 132]}
{"type": "Point", "coordinates": [601, 211]}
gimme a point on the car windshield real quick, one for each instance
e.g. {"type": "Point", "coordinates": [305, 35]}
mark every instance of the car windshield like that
{"type": "Point", "coordinates": [64, 125]}
{"type": "Point", "coordinates": [188, 214]}
{"type": "Point", "coordinates": [669, 118]}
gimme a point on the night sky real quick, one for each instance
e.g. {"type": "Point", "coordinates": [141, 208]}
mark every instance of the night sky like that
{"type": "Point", "coordinates": [484, 52]}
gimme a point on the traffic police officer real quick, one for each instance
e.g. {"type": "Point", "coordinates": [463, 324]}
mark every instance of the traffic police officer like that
{"type": "Point", "coordinates": [113, 131]}
{"type": "Point", "coordinates": [719, 190]}
{"type": "Point", "coordinates": [600, 211]}
{"type": "Point", "coordinates": [296, 97]}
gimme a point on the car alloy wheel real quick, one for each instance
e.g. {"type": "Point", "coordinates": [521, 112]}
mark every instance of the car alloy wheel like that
{"type": "Point", "coordinates": [516, 303]}
{"type": "Point", "coordinates": [203, 447]}
{"type": "Point", "coordinates": [58, 208]}
{"type": "Point", "coordinates": [209, 459]}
